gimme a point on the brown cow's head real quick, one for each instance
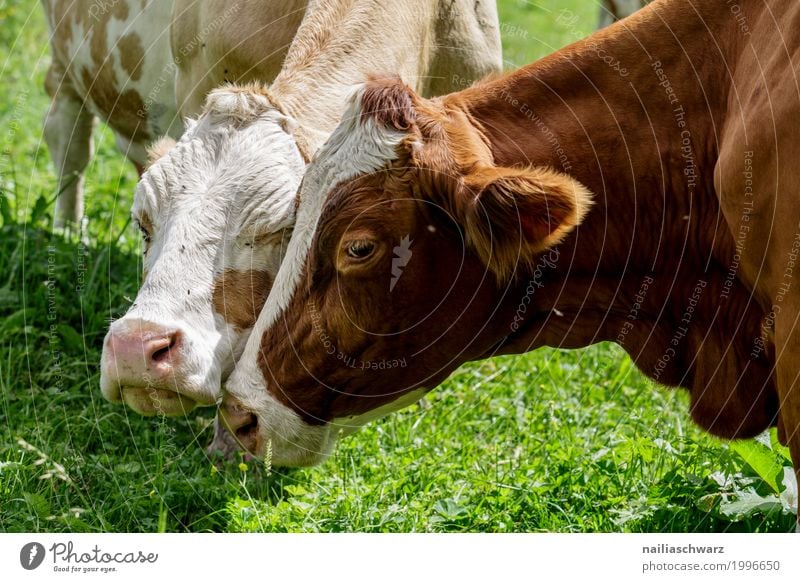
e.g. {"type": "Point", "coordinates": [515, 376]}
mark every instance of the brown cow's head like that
{"type": "Point", "coordinates": [406, 232]}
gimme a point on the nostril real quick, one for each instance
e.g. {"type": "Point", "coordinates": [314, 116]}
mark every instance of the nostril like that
{"type": "Point", "coordinates": [164, 352]}
{"type": "Point", "coordinates": [161, 355]}
{"type": "Point", "coordinates": [249, 429]}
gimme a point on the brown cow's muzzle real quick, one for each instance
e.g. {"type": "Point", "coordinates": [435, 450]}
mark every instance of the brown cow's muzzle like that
{"type": "Point", "coordinates": [241, 423]}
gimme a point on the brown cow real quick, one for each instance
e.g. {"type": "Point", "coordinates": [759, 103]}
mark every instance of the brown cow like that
{"type": "Point", "coordinates": [567, 203]}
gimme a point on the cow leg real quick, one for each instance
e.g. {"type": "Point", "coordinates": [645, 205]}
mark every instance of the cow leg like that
{"type": "Point", "coordinates": [468, 41]}
{"type": "Point", "coordinates": [68, 132]}
{"type": "Point", "coordinates": [787, 345]}
{"type": "Point", "coordinates": [613, 10]}
{"type": "Point", "coordinates": [135, 151]}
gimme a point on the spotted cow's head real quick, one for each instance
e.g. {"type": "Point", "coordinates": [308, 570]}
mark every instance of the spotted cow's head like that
{"type": "Point", "coordinates": [215, 211]}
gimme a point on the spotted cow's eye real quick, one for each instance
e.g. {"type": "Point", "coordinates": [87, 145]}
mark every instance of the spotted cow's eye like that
{"type": "Point", "coordinates": [360, 249]}
{"type": "Point", "coordinates": [143, 230]}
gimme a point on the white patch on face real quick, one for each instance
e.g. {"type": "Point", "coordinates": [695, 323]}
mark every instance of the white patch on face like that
{"type": "Point", "coordinates": [209, 198]}
{"type": "Point", "coordinates": [349, 424]}
{"type": "Point", "coordinates": [357, 147]}
{"type": "Point", "coordinates": [293, 443]}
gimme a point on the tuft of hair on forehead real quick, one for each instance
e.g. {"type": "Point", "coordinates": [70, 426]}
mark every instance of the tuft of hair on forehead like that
{"type": "Point", "coordinates": [239, 103]}
{"type": "Point", "coordinates": [389, 102]}
{"type": "Point", "coordinates": [158, 149]}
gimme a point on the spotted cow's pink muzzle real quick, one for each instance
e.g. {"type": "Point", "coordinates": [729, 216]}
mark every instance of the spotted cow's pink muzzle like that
{"type": "Point", "coordinates": [141, 366]}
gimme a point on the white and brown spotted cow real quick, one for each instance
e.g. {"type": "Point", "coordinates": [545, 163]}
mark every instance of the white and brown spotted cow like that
{"type": "Point", "coordinates": [129, 62]}
{"type": "Point", "coordinates": [216, 209]}
{"type": "Point", "coordinates": [110, 60]}
{"type": "Point", "coordinates": [215, 42]}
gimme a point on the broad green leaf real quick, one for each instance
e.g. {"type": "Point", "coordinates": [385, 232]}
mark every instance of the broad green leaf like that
{"type": "Point", "coordinates": [766, 463]}
{"type": "Point", "coordinates": [748, 503]}
{"type": "Point", "coordinates": [789, 494]}
{"type": "Point", "coordinates": [449, 508]}
{"type": "Point", "coordinates": [778, 447]}
{"type": "Point", "coordinates": [707, 502]}
{"type": "Point", "coordinates": [38, 504]}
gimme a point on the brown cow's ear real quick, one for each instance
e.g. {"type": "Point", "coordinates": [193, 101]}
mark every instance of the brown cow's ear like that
{"type": "Point", "coordinates": [515, 213]}
{"type": "Point", "coordinates": [389, 101]}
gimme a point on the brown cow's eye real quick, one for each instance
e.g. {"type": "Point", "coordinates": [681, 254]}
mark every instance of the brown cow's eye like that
{"type": "Point", "coordinates": [360, 249]}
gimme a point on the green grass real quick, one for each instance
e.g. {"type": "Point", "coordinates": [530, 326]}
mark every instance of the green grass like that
{"type": "Point", "coordinates": [551, 441]}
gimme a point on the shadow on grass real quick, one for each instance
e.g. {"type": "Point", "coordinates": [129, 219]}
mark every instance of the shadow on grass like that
{"type": "Point", "coordinates": [69, 460]}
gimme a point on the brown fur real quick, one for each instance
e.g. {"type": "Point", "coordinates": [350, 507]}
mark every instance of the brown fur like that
{"type": "Point", "coordinates": [132, 55]}
{"type": "Point", "coordinates": [239, 295]}
{"type": "Point", "coordinates": [512, 215]}
{"type": "Point", "coordinates": [389, 103]}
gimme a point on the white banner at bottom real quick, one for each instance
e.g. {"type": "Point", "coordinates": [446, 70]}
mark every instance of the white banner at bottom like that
{"type": "Point", "coordinates": [402, 557]}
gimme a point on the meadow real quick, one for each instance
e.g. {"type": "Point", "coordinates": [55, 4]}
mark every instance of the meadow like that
{"type": "Point", "coordinates": [561, 441]}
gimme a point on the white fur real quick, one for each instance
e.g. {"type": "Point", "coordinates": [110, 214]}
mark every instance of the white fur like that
{"type": "Point", "coordinates": [293, 443]}
{"type": "Point", "coordinates": [355, 148]}
{"type": "Point", "coordinates": [350, 424]}
{"type": "Point", "coordinates": [209, 197]}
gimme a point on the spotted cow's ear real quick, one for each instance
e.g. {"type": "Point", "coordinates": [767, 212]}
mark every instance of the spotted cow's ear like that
{"type": "Point", "coordinates": [159, 149]}
{"type": "Point", "coordinates": [512, 214]}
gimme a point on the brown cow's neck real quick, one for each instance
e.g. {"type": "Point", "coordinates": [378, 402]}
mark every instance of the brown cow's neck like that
{"type": "Point", "coordinates": [632, 117]}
